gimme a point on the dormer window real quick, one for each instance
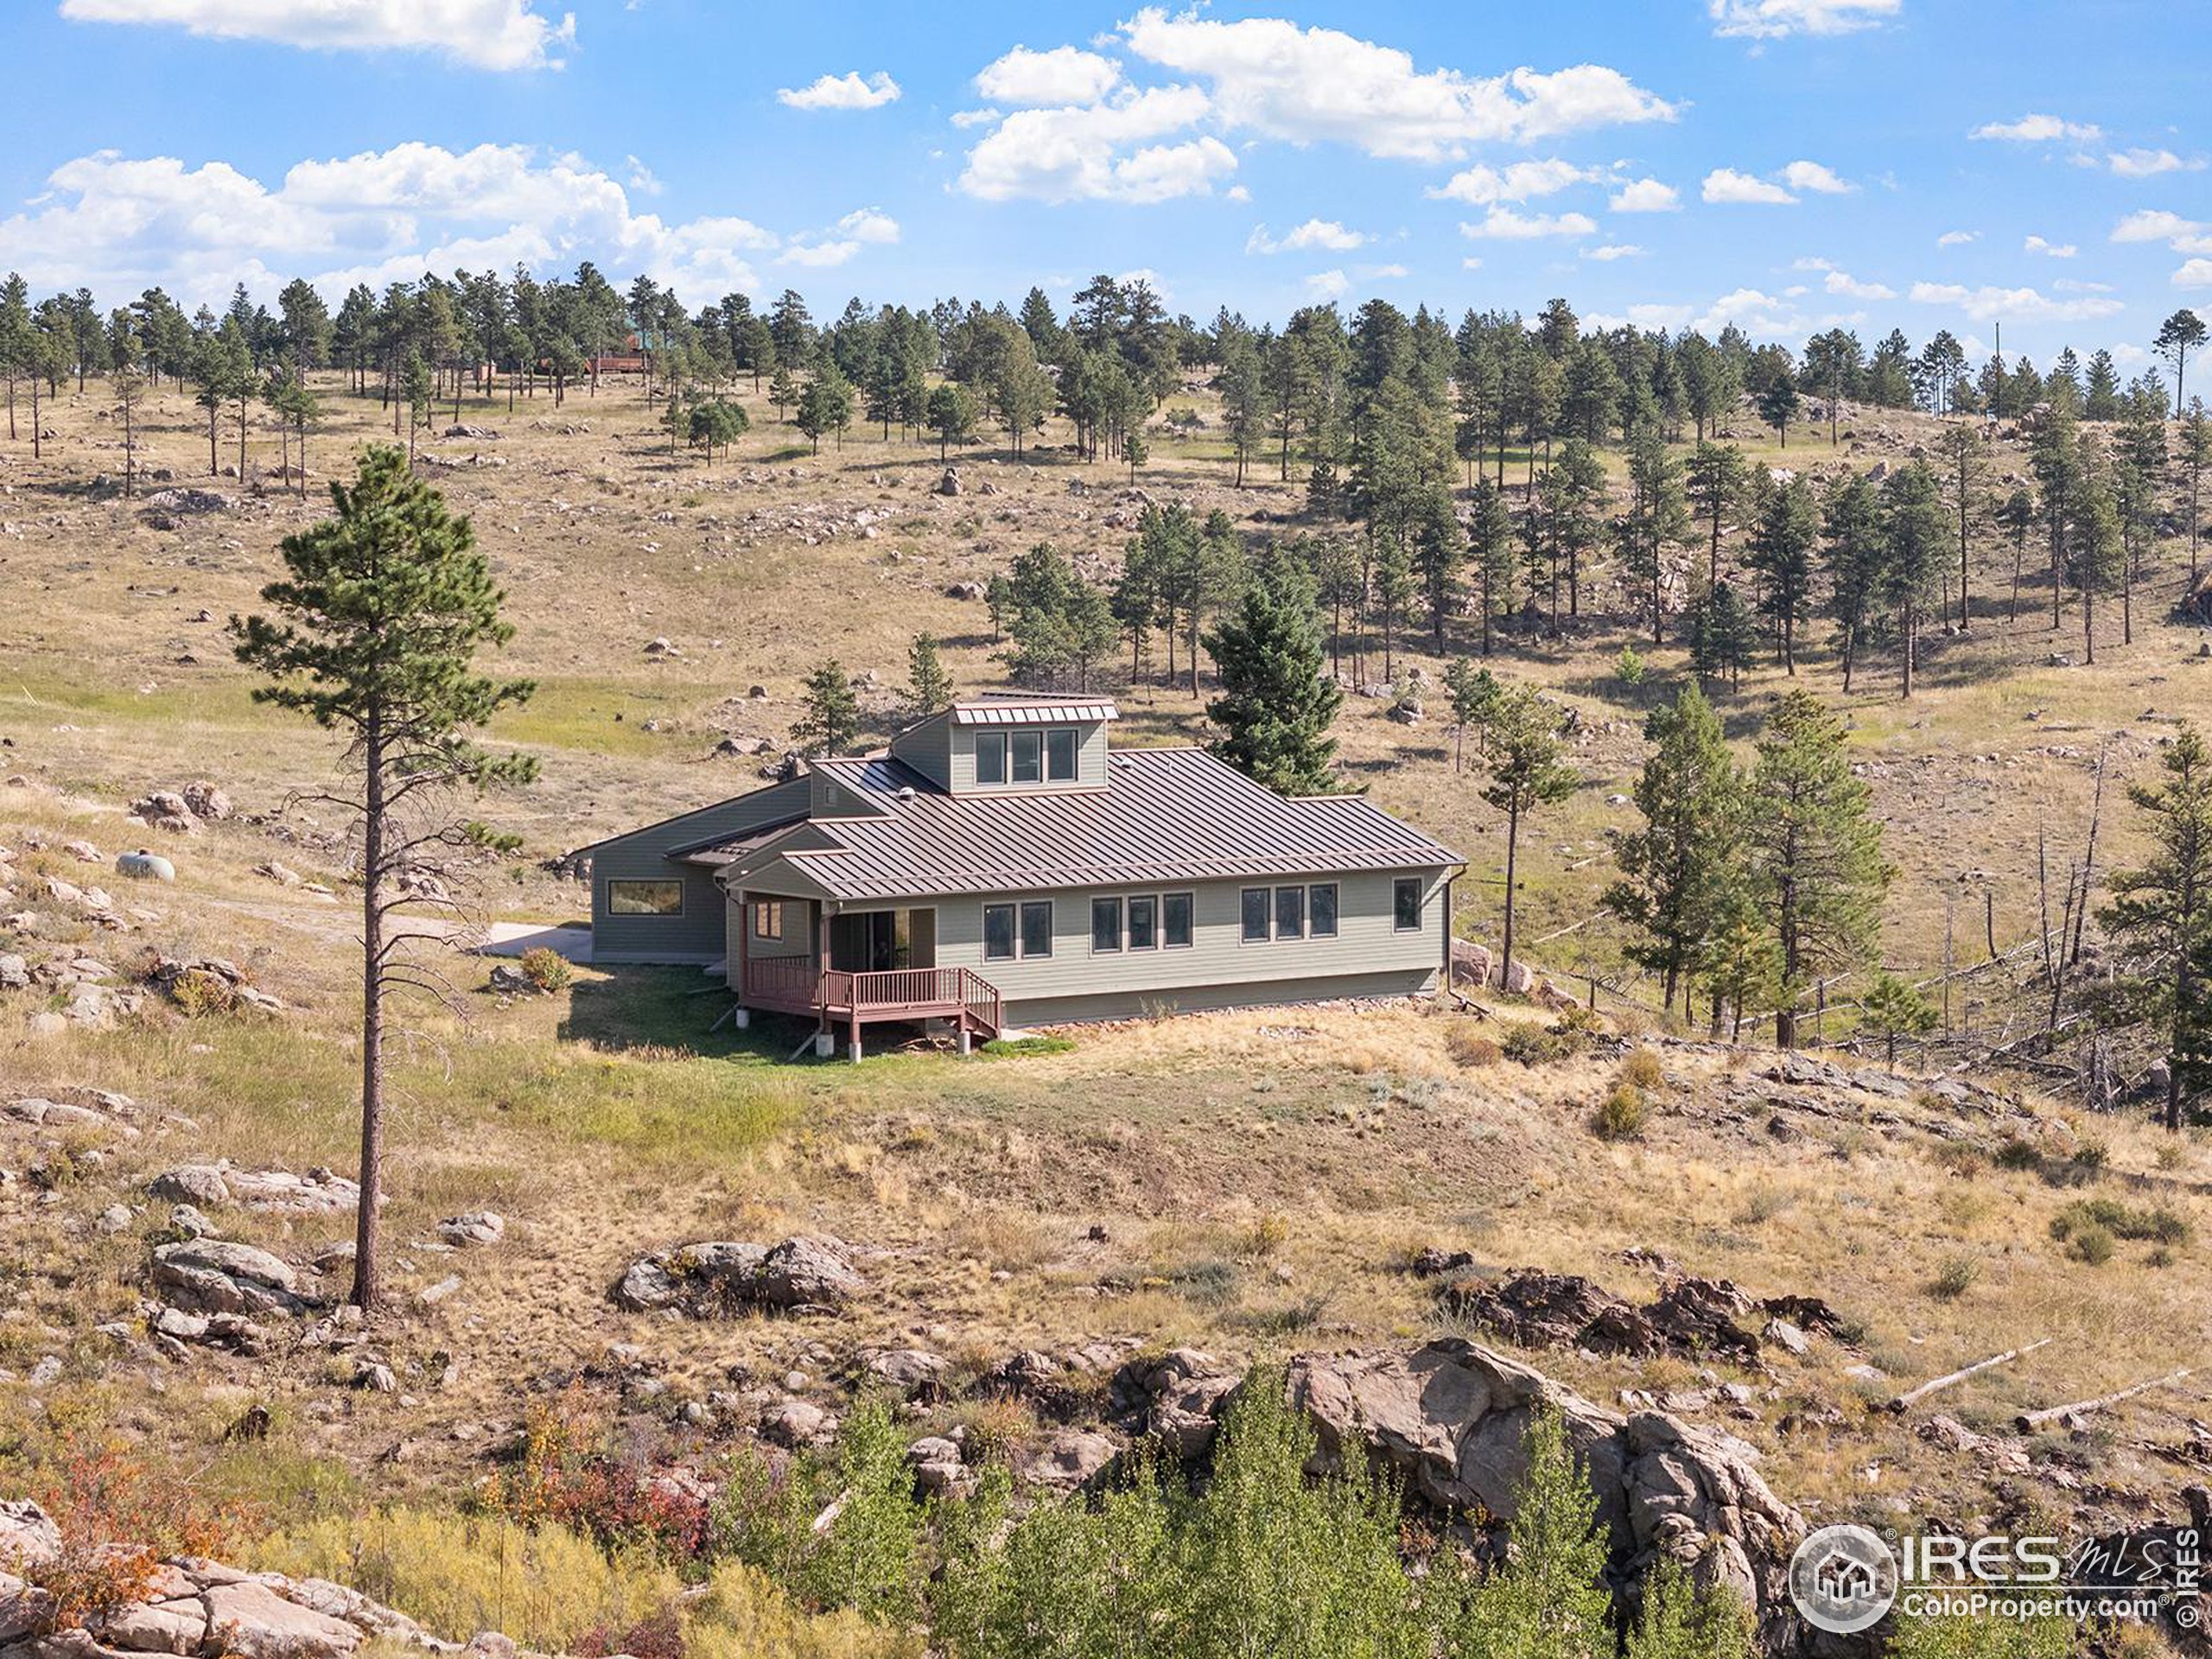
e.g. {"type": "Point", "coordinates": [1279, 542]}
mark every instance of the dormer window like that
{"type": "Point", "coordinates": [990, 757]}
{"type": "Point", "coordinates": [1029, 757]}
{"type": "Point", "coordinates": [1059, 754]}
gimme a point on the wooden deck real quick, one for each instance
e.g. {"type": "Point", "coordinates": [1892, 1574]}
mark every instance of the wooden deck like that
{"type": "Point", "coordinates": [838, 997]}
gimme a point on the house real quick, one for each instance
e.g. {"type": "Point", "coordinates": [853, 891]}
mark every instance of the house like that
{"type": "Point", "coordinates": [1002, 864]}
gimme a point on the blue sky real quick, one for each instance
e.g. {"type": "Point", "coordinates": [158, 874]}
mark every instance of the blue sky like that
{"type": "Point", "coordinates": [1786, 164]}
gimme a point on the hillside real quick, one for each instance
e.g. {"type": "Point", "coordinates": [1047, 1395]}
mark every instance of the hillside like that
{"type": "Point", "coordinates": [1250, 1185]}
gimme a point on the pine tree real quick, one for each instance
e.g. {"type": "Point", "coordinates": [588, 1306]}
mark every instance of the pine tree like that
{"type": "Point", "coordinates": [1490, 542]}
{"type": "Point", "coordinates": [1678, 869]}
{"type": "Point", "coordinates": [831, 723]}
{"type": "Point", "coordinates": [1717, 479]}
{"type": "Point", "coordinates": [1528, 768]}
{"type": "Point", "coordinates": [2161, 912]}
{"type": "Point", "coordinates": [1277, 701]}
{"type": "Point", "coordinates": [1915, 551]}
{"type": "Point", "coordinates": [951, 415]}
{"type": "Point", "coordinates": [1814, 851]}
{"type": "Point", "coordinates": [1782, 553]}
{"type": "Point", "coordinates": [928, 687]}
{"type": "Point", "coordinates": [1474, 693]}
{"type": "Point", "coordinates": [1890, 1008]}
{"type": "Point", "coordinates": [376, 624]}
{"type": "Point", "coordinates": [2179, 335]}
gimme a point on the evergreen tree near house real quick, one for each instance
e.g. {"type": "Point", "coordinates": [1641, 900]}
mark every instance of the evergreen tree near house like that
{"type": "Point", "coordinates": [1528, 768]}
{"type": "Point", "coordinates": [2161, 914]}
{"type": "Point", "coordinates": [1277, 699]}
{"type": "Point", "coordinates": [1814, 852]}
{"type": "Point", "coordinates": [1474, 693]}
{"type": "Point", "coordinates": [929, 688]}
{"type": "Point", "coordinates": [829, 724]}
{"type": "Point", "coordinates": [1680, 872]}
{"type": "Point", "coordinates": [374, 632]}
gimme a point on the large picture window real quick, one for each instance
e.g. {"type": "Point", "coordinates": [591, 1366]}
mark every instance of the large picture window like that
{"type": "Point", "coordinates": [1012, 932]}
{"type": "Point", "coordinates": [1406, 903]}
{"type": "Point", "coordinates": [627, 898]}
{"type": "Point", "coordinates": [990, 757]}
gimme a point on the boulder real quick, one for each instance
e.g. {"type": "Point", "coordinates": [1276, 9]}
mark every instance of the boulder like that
{"type": "Point", "coordinates": [721, 1275]}
{"type": "Point", "coordinates": [30, 1541]}
{"type": "Point", "coordinates": [806, 1273]}
{"type": "Point", "coordinates": [1520, 979]}
{"type": "Point", "coordinates": [938, 1470]}
{"type": "Point", "coordinates": [950, 484]}
{"type": "Point", "coordinates": [213, 1275]}
{"type": "Point", "coordinates": [250, 1620]}
{"type": "Point", "coordinates": [1451, 1419]}
{"type": "Point", "coordinates": [205, 800]}
{"type": "Point", "coordinates": [1070, 1461]}
{"type": "Point", "coordinates": [911, 1373]}
{"type": "Point", "coordinates": [191, 1184]}
{"type": "Point", "coordinates": [1471, 962]}
{"type": "Point", "coordinates": [473, 1227]}
{"type": "Point", "coordinates": [1184, 1392]}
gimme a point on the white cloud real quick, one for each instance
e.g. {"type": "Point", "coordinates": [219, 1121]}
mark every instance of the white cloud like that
{"type": "Point", "coordinates": [1772, 19]}
{"type": "Point", "coordinates": [2149, 163]}
{"type": "Point", "coordinates": [2049, 250]}
{"type": "Point", "coordinates": [2038, 130]}
{"type": "Point", "coordinates": [503, 34]}
{"type": "Point", "coordinates": [1064, 75]}
{"type": "Point", "coordinates": [1503, 224]}
{"type": "Point", "coordinates": [1099, 153]}
{"type": "Point", "coordinates": [819, 256]}
{"type": "Point", "coordinates": [965, 119]}
{"type": "Point", "coordinates": [1726, 184]}
{"type": "Point", "coordinates": [2195, 273]}
{"type": "Point", "coordinates": [1328, 284]}
{"type": "Point", "coordinates": [869, 225]}
{"type": "Point", "coordinates": [1322, 233]}
{"type": "Point", "coordinates": [1613, 251]}
{"type": "Point", "coordinates": [1843, 283]}
{"type": "Point", "coordinates": [845, 91]}
{"type": "Point", "coordinates": [1516, 182]}
{"type": "Point", "coordinates": [2076, 285]}
{"type": "Point", "coordinates": [1957, 239]}
{"type": "Point", "coordinates": [1269, 77]}
{"type": "Point", "coordinates": [1236, 192]}
{"type": "Point", "coordinates": [1385, 273]}
{"type": "Point", "coordinates": [1472, 262]}
{"type": "Point", "coordinates": [641, 177]}
{"type": "Point", "coordinates": [116, 223]}
{"type": "Point", "coordinates": [1811, 175]}
{"type": "Point", "coordinates": [2155, 225]}
{"type": "Point", "coordinates": [1990, 304]}
{"type": "Point", "coordinates": [1646, 196]}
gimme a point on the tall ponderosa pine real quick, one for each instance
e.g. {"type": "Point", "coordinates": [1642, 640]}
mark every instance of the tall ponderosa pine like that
{"type": "Point", "coordinates": [928, 686]}
{"type": "Point", "coordinates": [2161, 912]}
{"type": "Point", "coordinates": [377, 626]}
{"type": "Point", "coordinates": [1277, 701]}
{"type": "Point", "coordinates": [1679, 870]}
{"type": "Point", "coordinates": [1814, 851]}
{"type": "Point", "coordinates": [1528, 768]}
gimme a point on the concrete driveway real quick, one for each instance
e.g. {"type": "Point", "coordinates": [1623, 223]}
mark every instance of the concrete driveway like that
{"type": "Point", "coordinates": [512, 938]}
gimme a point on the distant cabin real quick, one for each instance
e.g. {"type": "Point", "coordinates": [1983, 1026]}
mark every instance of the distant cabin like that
{"type": "Point", "coordinates": [1001, 864]}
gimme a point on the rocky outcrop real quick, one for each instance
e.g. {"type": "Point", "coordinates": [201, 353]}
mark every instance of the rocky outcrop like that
{"type": "Point", "coordinates": [1451, 1419]}
{"type": "Point", "coordinates": [186, 1606]}
{"type": "Point", "coordinates": [213, 1275]}
{"type": "Point", "coordinates": [720, 1276]}
{"type": "Point", "coordinates": [1694, 1316]}
{"type": "Point", "coordinates": [277, 1192]}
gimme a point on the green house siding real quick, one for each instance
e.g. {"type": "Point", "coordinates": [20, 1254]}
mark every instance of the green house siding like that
{"type": "Point", "coordinates": [698, 933]}
{"type": "Point", "coordinates": [1090, 758]}
{"type": "Point", "coordinates": [1369, 956]}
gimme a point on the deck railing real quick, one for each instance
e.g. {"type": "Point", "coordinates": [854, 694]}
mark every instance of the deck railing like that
{"type": "Point", "coordinates": [794, 983]}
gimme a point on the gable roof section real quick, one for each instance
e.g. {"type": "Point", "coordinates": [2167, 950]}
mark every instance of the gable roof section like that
{"type": "Point", "coordinates": [1168, 815]}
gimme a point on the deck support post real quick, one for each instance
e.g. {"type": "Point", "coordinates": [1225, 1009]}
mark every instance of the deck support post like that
{"type": "Point", "coordinates": [825, 1044]}
{"type": "Point", "coordinates": [965, 1040]}
{"type": "Point", "coordinates": [854, 1040]}
{"type": "Point", "coordinates": [743, 1018]}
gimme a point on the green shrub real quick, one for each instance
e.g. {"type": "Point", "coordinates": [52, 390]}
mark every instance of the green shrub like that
{"type": "Point", "coordinates": [1621, 1114]}
{"type": "Point", "coordinates": [2092, 1244]}
{"type": "Point", "coordinates": [2016, 1155]}
{"type": "Point", "coordinates": [1529, 1044]}
{"type": "Point", "coordinates": [1953, 1278]}
{"type": "Point", "coordinates": [1642, 1070]}
{"type": "Point", "coordinates": [546, 968]}
{"type": "Point", "coordinates": [2157, 1223]}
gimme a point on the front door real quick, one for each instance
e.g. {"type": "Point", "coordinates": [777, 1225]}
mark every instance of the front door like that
{"type": "Point", "coordinates": [864, 943]}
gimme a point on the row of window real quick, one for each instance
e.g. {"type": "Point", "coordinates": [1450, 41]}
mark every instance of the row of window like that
{"type": "Point", "coordinates": [1027, 757]}
{"type": "Point", "coordinates": [1301, 913]}
{"type": "Point", "coordinates": [1144, 921]}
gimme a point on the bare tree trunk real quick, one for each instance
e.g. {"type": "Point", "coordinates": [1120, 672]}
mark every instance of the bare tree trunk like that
{"type": "Point", "coordinates": [368, 1267]}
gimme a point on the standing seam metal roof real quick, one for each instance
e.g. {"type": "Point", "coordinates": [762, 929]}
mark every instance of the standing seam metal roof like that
{"type": "Point", "coordinates": [1168, 815]}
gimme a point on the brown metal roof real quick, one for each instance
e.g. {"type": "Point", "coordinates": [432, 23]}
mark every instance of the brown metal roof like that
{"type": "Point", "coordinates": [1167, 815]}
